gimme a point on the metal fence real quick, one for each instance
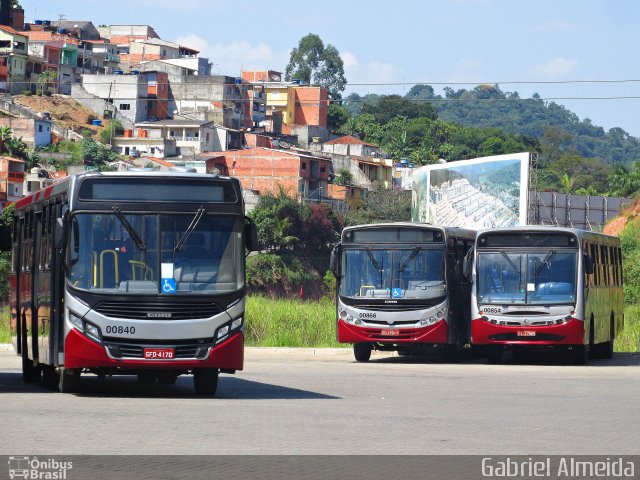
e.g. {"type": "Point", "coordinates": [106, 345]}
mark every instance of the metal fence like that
{"type": "Point", "coordinates": [575, 211]}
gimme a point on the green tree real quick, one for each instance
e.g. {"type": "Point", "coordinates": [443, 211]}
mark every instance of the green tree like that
{"type": "Point", "coordinates": [110, 130]}
{"type": "Point", "coordinates": [624, 181]}
{"type": "Point", "coordinates": [314, 63]}
{"type": "Point", "coordinates": [382, 206]}
{"type": "Point", "coordinates": [391, 106]}
{"type": "Point", "coordinates": [337, 116]}
{"type": "Point", "coordinates": [45, 78]}
{"type": "Point", "coordinates": [5, 257]}
{"type": "Point", "coordinates": [344, 177]}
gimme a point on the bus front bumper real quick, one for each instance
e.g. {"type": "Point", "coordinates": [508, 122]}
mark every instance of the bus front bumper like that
{"type": "Point", "coordinates": [487, 333]}
{"type": "Point", "coordinates": [436, 333]}
{"type": "Point", "coordinates": [82, 352]}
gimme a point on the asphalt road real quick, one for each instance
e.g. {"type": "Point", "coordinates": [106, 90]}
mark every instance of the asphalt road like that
{"type": "Point", "coordinates": [290, 402]}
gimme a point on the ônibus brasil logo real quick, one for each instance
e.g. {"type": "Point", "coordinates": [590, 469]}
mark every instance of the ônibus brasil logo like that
{"type": "Point", "coordinates": [32, 468]}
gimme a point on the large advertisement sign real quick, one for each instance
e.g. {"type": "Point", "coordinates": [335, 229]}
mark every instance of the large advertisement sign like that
{"type": "Point", "coordinates": [485, 192]}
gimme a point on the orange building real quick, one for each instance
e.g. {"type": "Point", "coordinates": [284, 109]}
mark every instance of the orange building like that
{"type": "Point", "coordinates": [11, 179]}
{"type": "Point", "coordinates": [266, 170]}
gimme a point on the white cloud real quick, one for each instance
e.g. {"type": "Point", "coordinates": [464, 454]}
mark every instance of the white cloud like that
{"type": "Point", "coordinates": [558, 67]}
{"type": "Point", "coordinates": [464, 70]}
{"type": "Point", "coordinates": [349, 60]}
{"type": "Point", "coordinates": [370, 77]}
{"type": "Point", "coordinates": [230, 58]}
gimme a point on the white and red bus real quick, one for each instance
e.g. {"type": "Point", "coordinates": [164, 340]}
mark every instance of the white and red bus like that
{"type": "Point", "coordinates": [400, 288]}
{"type": "Point", "coordinates": [540, 286]}
{"type": "Point", "coordinates": [130, 273]}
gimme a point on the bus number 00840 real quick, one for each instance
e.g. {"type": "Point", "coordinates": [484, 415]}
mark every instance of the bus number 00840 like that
{"type": "Point", "coordinates": [119, 329]}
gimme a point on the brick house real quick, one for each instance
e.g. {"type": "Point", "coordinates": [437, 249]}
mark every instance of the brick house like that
{"type": "Point", "coordinates": [265, 170]}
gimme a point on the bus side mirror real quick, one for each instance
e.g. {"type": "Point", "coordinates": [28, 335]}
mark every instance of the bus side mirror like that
{"type": "Point", "coordinates": [588, 264]}
{"type": "Point", "coordinates": [5, 238]}
{"type": "Point", "coordinates": [333, 261]}
{"type": "Point", "coordinates": [467, 266]}
{"type": "Point", "coordinates": [251, 235]}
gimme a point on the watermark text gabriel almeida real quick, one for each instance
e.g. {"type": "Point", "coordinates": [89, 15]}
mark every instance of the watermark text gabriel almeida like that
{"type": "Point", "coordinates": [35, 469]}
{"type": "Point", "coordinates": [558, 467]}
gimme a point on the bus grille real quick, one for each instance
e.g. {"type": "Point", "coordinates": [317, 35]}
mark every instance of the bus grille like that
{"type": "Point", "coordinates": [123, 350]}
{"type": "Point", "coordinates": [375, 334]}
{"type": "Point", "coordinates": [158, 311]}
{"type": "Point", "coordinates": [539, 337]}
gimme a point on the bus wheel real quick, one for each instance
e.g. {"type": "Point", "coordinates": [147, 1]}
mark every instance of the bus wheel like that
{"type": "Point", "coordinates": [205, 381]}
{"type": "Point", "coordinates": [362, 351]}
{"type": "Point", "coordinates": [68, 380]}
{"type": "Point", "coordinates": [493, 353]}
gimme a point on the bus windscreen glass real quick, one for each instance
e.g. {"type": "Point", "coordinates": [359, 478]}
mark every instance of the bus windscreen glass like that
{"type": "Point", "coordinates": [527, 278]}
{"type": "Point", "coordinates": [106, 257]}
{"type": "Point", "coordinates": [416, 273]}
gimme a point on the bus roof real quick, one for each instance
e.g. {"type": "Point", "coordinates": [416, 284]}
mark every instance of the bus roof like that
{"type": "Point", "coordinates": [448, 231]}
{"type": "Point", "coordinates": [62, 185]}
{"type": "Point", "coordinates": [580, 234]}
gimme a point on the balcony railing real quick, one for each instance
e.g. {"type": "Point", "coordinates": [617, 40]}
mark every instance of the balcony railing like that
{"type": "Point", "coordinates": [15, 176]}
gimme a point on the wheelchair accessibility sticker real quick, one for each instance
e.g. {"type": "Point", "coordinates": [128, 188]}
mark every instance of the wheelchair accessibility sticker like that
{"type": "Point", "coordinates": [167, 282]}
{"type": "Point", "coordinates": [397, 293]}
{"type": "Point", "coordinates": [168, 286]}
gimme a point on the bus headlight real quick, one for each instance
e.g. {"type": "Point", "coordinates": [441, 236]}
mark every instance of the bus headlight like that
{"type": "Point", "coordinates": [76, 321]}
{"type": "Point", "coordinates": [343, 314]}
{"type": "Point", "coordinates": [223, 331]}
{"type": "Point", "coordinates": [440, 314]}
{"type": "Point", "coordinates": [350, 319]}
{"type": "Point", "coordinates": [92, 332]}
{"type": "Point", "coordinates": [237, 323]}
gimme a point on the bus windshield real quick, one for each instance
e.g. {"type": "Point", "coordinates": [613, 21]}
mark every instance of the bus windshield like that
{"type": "Point", "coordinates": [122, 253]}
{"type": "Point", "coordinates": [527, 278]}
{"type": "Point", "coordinates": [412, 273]}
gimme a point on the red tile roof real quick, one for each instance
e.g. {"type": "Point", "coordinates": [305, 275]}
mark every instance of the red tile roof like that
{"type": "Point", "coordinates": [348, 139]}
{"type": "Point", "coordinates": [11, 30]}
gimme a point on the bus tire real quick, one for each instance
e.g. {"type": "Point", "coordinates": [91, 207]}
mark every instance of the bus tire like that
{"type": "Point", "coordinates": [205, 381]}
{"type": "Point", "coordinates": [605, 350]}
{"type": "Point", "coordinates": [30, 373]}
{"type": "Point", "coordinates": [68, 380]}
{"type": "Point", "coordinates": [362, 351]}
{"type": "Point", "coordinates": [494, 353]}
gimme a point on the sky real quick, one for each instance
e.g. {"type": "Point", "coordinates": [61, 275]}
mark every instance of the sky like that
{"type": "Point", "coordinates": [387, 47]}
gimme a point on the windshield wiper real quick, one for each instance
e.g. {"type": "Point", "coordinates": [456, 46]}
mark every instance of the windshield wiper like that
{"type": "Point", "coordinates": [192, 226]}
{"type": "Point", "coordinates": [406, 263]}
{"type": "Point", "coordinates": [132, 232]}
{"type": "Point", "coordinates": [510, 262]}
{"type": "Point", "coordinates": [376, 265]}
{"type": "Point", "coordinates": [545, 262]}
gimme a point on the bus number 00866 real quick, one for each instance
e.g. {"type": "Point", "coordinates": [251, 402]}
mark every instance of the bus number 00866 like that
{"type": "Point", "coordinates": [119, 329]}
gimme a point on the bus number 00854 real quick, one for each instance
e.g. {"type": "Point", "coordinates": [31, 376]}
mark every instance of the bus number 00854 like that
{"type": "Point", "coordinates": [119, 329]}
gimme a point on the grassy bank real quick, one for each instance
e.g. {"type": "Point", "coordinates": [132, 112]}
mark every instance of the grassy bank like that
{"type": "Point", "coordinates": [290, 323]}
{"type": "Point", "coordinates": [5, 332]}
{"type": "Point", "coordinates": [293, 323]}
{"type": "Point", "coordinates": [629, 340]}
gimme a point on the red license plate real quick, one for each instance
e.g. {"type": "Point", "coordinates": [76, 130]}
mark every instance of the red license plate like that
{"type": "Point", "coordinates": [159, 353]}
{"type": "Point", "coordinates": [526, 333]}
{"type": "Point", "coordinates": [389, 333]}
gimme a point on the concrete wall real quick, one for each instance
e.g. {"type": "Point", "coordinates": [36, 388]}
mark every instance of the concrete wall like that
{"type": "Point", "coordinates": [34, 132]}
{"type": "Point", "coordinates": [214, 98]}
{"type": "Point", "coordinates": [98, 105]}
{"type": "Point", "coordinates": [125, 90]}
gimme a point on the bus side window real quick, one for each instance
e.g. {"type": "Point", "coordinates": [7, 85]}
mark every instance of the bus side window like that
{"type": "Point", "coordinates": [596, 264]}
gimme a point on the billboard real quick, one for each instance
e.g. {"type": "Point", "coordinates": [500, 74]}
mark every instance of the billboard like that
{"type": "Point", "coordinates": [485, 192]}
